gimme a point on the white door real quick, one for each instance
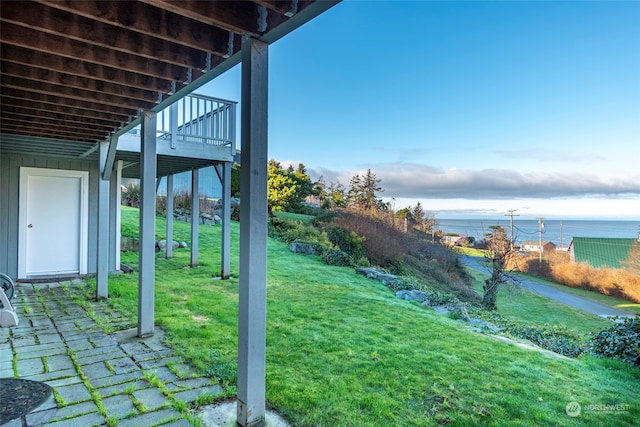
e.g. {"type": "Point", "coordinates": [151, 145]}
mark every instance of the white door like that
{"type": "Point", "coordinates": [53, 222]}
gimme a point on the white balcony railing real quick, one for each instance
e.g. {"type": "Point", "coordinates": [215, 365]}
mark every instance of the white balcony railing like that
{"type": "Point", "coordinates": [197, 119]}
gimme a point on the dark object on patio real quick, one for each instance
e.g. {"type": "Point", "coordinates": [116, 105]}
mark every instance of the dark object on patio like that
{"type": "Point", "coordinates": [18, 397]}
{"type": "Point", "coordinates": [7, 285]}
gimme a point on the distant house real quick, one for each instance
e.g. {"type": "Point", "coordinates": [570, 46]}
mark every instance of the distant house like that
{"type": "Point", "coordinates": [600, 252]}
{"type": "Point", "coordinates": [455, 240]}
{"type": "Point", "coordinates": [534, 246]}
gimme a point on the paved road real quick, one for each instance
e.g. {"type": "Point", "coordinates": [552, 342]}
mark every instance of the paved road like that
{"type": "Point", "coordinates": [551, 292]}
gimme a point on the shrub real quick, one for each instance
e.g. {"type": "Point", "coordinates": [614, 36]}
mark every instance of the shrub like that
{"type": "Point", "coordinates": [131, 195]}
{"type": "Point", "coordinates": [348, 242]}
{"type": "Point", "coordinates": [338, 258]}
{"type": "Point", "coordinates": [620, 341]}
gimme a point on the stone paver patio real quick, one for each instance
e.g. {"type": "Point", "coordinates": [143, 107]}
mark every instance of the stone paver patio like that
{"type": "Point", "coordinates": [98, 378]}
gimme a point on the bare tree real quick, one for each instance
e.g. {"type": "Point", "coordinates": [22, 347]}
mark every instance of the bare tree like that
{"type": "Point", "coordinates": [498, 254]}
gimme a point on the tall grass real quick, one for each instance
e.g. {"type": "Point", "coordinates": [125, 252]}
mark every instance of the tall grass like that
{"type": "Point", "coordinates": [618, 283]}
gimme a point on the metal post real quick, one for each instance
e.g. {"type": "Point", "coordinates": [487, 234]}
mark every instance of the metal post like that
{"type": "Point", "coordinates": [102, 253]}
{"type": "Point", "coordinates": [169, 233]}
{"type": "Point", "coordinates": [147, 263]}
{"type": "Point", "coordinates": [253, 236]}
{"type": "Point", "coordinates": [226, 221]}
{"type": "Point", "coordinates": [195, 215]}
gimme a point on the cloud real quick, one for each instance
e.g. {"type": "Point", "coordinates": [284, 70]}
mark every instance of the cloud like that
{"type": "Point", "coordinates": [546, 155]}
{"type": "Point", "coordinates": [411, 180]}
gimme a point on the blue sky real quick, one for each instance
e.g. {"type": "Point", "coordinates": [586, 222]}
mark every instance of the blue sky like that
{"type": "Point", "coordinates": [471, 108]}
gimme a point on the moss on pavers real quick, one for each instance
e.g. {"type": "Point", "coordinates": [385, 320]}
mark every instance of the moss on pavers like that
{"type": "Point", "coordinates": [126, 387]}
{"type": "Point", "coordinates": [191, 395]}
{"type": "Point", "coordinates": [151, 418]}
{"type": "Point", "coordinates": [73, 411]}
{"type": "Point", "coordinates": [96, 370]}
{"type": "Point", "coordinates": [116, 379]}
{"type": "Point", "coordinates": [119, 406]}
{"type": "Point", "coordinates": [30, 367]}
{"type": "Point", "coordinates": [81, 421]}
{"type": "Point", "coordinates": [151, 398]}
{"type": "Point", "coordinates": [74, 393]}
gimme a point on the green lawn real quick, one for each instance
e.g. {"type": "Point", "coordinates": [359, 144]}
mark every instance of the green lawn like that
{"type": "Point", "coordinates": [343, 351]}
{"type": "Point", "coordinates": [520, 304]}
{"type": "Point", "coordinates": [305, 219]}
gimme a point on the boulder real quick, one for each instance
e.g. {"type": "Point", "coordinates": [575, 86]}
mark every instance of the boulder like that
{"type": "Point", "coordinates": [412, 295]}
{"type": "Point", "coordinates": [380, 276]}
{"type": "Point", "coordinates": [302, 248]}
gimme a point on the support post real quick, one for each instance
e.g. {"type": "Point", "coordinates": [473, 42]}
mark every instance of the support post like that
{"type": "Point", "coordinates": [169, 233]}
{"type": "Point", "coordinates": [195, 215]}
{"type": "Point", "coordinates": [115, 195]}
{"type": "Point", "coordinates": [102, 253]}
{"type": "Point", "coordinates": [253, 236]}
{"type": "Point", "coordinates": [147, 263]}
{"type": "Point", "coordinates": [225, 250]}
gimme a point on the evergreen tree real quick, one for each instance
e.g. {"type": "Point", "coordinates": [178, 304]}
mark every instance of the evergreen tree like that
{"type": "Point", "coordinates": [363, 192]}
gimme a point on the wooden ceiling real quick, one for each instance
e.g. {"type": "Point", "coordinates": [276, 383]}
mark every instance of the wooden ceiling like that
{"type": "Point", "coordinates": [82, 70]}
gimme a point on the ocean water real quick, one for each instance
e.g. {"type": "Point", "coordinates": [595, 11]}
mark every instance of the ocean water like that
{"type": "Point", "coordinates": [559, 232]}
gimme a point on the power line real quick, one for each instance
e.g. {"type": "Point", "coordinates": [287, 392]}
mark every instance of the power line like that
{"type": "Point", "coordinates": [511, 215]}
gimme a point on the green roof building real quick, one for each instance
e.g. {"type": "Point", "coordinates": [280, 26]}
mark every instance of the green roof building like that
{"type": "Point", "coordinates": [601, 252]}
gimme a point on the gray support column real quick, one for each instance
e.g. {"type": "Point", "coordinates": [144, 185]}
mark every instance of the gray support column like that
{"type": "Point", "coordinates": [195, 215]}
{"type": "Point", "coordinates": [115, 196]}
{"type": "Point", "coordinates": [102, 254]}
{"type": "Point", "coordinates": [169, 234]}
{"type": "Point", "coordinates": [147, 263]}
{"type": "Point", "coordinates": [253, 236]}
{"type": "Point", "coordinates": [226, 221]}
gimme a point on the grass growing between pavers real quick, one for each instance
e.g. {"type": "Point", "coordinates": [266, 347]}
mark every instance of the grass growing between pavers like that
{"type": "Point", "coordinates": [342, 350]}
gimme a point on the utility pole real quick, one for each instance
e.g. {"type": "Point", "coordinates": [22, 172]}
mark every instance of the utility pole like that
{"type": "Point", "coordinates": [511, 214]}
{"type": "Point", "coordinates": [540, 227]}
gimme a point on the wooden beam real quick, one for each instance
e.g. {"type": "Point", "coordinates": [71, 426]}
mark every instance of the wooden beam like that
{"type": "Point", "coordinates": [64, 23]}
{"type": "Point", "coordinates": [152, 21]}
{"type": "Point", "coordinates": [28, 120]}
{"type": "Point", "coordinates": [72, 93]}
{"type": "Point", "coordinates": [58, 45]}
{"type": "Point", "coordinates": [240, 17]}
{"type": "Point", "coordinates": [77, 67]}
{"type": "Point", "coordinates": [25, 112]}
{"type": "Point", "coordinates": [70, 81]}
{"type": "Point", "coordinates": [74, 103]}
{"type": "Point", "coordinates": [69, 113]}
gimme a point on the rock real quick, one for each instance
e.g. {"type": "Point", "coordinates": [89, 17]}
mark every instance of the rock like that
{"type": "Point", "coordinates": [483, 325]}
{"type": "Point", "coordinates": [302, 248]}
{"type": "Point", "coordinates": [412, 295]}
{"type": "Point", "coordinates": [441, 309]}
{"type": "Point", "coordinates": [380, 276]}
{"type": "Point", "coordinates": [205, 215]}
{"type": "Point", "coordinates": [162, 244]}
{"type": "Point", "coordinates": [217, 219]}
{"type": "Point", "coordinates": [183, 245]}
{"type": "Point", "coordinates": [129, 244]}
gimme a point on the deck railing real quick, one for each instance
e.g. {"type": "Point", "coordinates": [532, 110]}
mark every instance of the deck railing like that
{"type": "Point", "coordinates": [198, 119]}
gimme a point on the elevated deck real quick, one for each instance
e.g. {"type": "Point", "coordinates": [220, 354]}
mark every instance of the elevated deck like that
{"type": "Point", "coordinates": [195, 132]}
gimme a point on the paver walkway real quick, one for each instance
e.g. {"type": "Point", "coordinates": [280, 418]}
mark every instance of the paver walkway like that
{"type": "Point", "coordinates": [97, 378]}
